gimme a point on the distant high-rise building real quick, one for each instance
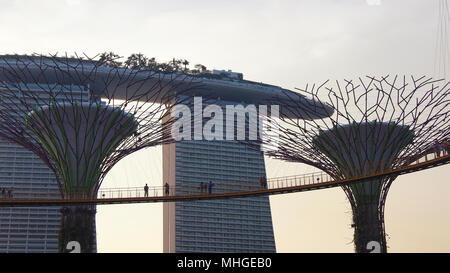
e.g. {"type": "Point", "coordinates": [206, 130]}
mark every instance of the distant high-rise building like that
{"type": "Point", "coordinates": [221, 225]}
{"type": "Point", "coordinates": [27, 229]}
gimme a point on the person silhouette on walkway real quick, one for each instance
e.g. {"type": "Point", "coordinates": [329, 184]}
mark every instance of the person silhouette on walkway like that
{"type": "Point", "coordinates": [202, 188]}
{"type": "Point", "coordinates": [167, 189]}
{"type": "Point", "coordinates": [446, 147]}
{"type": "Point", "coordinates": [263, 182]}
{"type": "Point", "coordinates": [437, 148]}
{"type": "Point", "coordinates": [10, 192]}
{"type": "Point", "coordinates": [210, 185]}
{"type": "Point", "coordinates": [146, 190]}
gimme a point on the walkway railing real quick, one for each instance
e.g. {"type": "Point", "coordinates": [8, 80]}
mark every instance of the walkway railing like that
{"type": "Point", "coordinates": [314, 180]}
{"type": "Point", "coordinates": [218, 187]}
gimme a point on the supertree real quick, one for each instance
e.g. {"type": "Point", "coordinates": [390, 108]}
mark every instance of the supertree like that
{"type": "Point", "coordinates": [379, 123]}
{"type": "Point", "coordinates": [81, 115]}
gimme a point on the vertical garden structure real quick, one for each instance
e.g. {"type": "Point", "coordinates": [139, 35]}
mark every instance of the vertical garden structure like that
{"type": "Point", "coordinates": [378, 124]}
{"type": "Point", "coordinates": [362, 149]}
{"type": "Point", "coordinates": [79, 138]}
{"type": "Point", "coordinates": [81, 116]}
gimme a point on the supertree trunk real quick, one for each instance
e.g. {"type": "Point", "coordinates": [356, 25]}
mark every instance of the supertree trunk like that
{"type": "Point", "coordinates": [368, 227]}
{"type": "Point", "coordinates": [77, 224]}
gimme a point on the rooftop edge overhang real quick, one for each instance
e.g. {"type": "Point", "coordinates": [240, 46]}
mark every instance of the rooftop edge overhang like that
{"type": "Point", "coordinates": [133, 84]}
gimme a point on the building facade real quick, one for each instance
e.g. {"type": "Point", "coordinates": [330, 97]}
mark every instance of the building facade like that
{"type": "Point", "coordinates": [236, 225]}
{"type": "Point", "coordinates": [27, 229]}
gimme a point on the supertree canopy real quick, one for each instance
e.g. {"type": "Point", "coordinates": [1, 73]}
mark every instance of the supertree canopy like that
{"type": "Point", "coordinates": [378, 124]}
{"type": "Point", "coordinates": [81, 116]}
{"type": "Point", "coordinates": [78, 138]}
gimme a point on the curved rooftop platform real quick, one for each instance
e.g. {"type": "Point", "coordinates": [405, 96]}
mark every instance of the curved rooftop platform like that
{"type": "Point", "coordinates": [133, 84]}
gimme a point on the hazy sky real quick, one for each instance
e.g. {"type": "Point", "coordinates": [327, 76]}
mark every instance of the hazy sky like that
{"type": "Point", "coordinates": [286, 43]}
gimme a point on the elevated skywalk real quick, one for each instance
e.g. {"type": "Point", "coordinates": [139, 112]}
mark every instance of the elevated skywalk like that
{"type": "Point", "coordinates": [277, 185]}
